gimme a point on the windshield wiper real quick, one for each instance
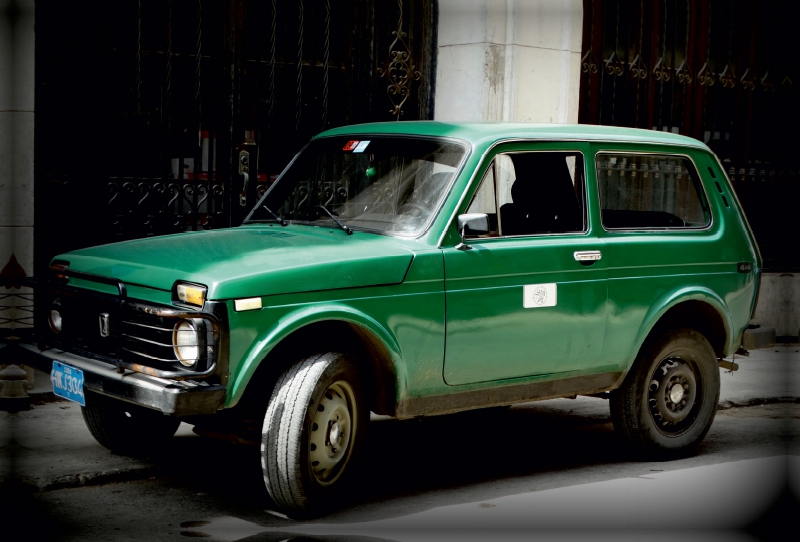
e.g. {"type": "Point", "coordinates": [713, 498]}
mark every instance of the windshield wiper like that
{"type": "Point", "coordinates": [280, 220]}
{"type": "Point", "coordinates": [330, 214]}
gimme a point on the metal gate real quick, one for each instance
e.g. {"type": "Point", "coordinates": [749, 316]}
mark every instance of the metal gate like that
{"type": "Point", "coordinates": [719, 71]}
{"type": "Point", "coordinates": [161, 116]}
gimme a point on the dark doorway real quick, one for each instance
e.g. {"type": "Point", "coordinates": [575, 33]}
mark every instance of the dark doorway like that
{"type": "Point", "coordinates": [144, 109]}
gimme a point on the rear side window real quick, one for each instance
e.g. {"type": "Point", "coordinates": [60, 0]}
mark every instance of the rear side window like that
{"type": "Point", "coordinates": [650, 191]}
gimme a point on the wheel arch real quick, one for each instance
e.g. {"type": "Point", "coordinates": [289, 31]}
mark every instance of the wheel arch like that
{"type": "Point", "coordinates": [324, 329]}
{"type": "Point", "coordinates": [696, 308]}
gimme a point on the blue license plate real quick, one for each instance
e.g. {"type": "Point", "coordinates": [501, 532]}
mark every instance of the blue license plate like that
{"type": "Point", "coordinates": [67, 382]}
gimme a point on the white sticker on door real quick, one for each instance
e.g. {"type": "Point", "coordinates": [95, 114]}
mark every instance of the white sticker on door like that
{"type": "Point", "coordinates": [539, 295]}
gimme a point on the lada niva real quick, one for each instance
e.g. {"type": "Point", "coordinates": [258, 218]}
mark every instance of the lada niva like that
{"type": "Point", "coordinates": [415, 269]}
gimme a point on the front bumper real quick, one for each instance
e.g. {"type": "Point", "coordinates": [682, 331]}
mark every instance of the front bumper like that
{"type": "Point", "coordinates": [174, 398]}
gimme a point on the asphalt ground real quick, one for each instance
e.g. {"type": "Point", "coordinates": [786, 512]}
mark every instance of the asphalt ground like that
{"type": "Point", "coordinates": [556, 471]}
{"type": "Point", "coordinates": [49, 446]}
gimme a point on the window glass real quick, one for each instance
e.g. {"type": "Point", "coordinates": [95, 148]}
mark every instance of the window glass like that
{"type": "Point", "coordinates": [536, 193]}
{"type": "Point", "coordinates": [505, 178]}
{"type": "Point", "coordinates": [382, 184]}
{"type": "Point", "coordinates": [650, 192]}
{"type": "Point", "coordinates": [541, 193]}
{"type": "Point", "coordinates": [484, 201]}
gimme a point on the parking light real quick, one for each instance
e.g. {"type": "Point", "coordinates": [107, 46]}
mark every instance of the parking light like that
{"type": "Point", "coordinates": [191, 294]}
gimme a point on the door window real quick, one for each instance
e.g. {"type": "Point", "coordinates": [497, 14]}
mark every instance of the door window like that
{"type": "Point", "coordinates": [535, 193]}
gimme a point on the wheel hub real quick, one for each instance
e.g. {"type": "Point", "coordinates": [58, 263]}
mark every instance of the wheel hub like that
{"type": "Point", "coordinates": [332, 432]}
{"type": "Point", "coordinates": [676, 393]}
{"type": "Point", "coordinates": [672, 393]}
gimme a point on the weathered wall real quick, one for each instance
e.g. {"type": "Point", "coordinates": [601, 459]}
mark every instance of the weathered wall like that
{"type": "Point", "coordinates": [508, 60]}
{"type": "Point", "coordinates": [16, 142]}
{"type": "Point", "coordinates": [779, 303]}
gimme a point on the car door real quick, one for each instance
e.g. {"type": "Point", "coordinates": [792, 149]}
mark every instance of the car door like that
{"type": "Point", "coordinates": [529, 297]}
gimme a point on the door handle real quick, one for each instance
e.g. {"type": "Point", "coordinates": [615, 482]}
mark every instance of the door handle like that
{"type": "Point", "coordinates": [587, 255]}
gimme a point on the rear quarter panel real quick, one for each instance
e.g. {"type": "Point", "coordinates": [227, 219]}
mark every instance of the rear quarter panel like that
{"type": "Point", "coordinates": [652, 271]}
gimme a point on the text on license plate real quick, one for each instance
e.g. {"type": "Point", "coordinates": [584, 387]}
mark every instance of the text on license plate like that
{"type": "Point", "coordinates": [67, 382]}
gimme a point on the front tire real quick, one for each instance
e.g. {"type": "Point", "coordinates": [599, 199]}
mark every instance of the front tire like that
{"type": "Point", "coordinates": [124, 427]}
{"type": "Point", "coordinates": [669, 399]}
{"type": "Point", "coordinates": [313, 432]}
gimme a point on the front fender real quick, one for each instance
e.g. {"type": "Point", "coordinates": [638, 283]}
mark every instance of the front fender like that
{"type": "Point", "coordinates": [671, 299]}
{"type": "Point", "coordinates": [299, 318]}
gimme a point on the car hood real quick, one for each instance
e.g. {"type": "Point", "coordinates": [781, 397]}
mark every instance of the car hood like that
{"type": "Point", "coordinates": [251, 260]}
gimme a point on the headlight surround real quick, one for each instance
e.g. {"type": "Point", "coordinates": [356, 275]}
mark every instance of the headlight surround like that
{"type": "Point", "coordinates": [54, 319]}
{"type": "Point", "coordinates": [186, 342]}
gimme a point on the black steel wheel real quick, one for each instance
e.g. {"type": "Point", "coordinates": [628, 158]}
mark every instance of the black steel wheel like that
{"type": "Point", "coordinates": [126, 428]}
{"type": "Point", "coordinates": [669, 399]}
{"type": "Point", "coordinates": [313, 433]}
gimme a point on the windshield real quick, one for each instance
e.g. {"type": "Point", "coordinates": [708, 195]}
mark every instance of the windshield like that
{"type": "Point", "coordinates": [382, 184]}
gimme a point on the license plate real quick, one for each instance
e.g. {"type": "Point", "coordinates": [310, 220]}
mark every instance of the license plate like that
{"type": "Point", "coordinates": [67, 382]}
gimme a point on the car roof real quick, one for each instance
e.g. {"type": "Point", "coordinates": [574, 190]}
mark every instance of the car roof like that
{"type": "Point", "coordinates": [487, 132]}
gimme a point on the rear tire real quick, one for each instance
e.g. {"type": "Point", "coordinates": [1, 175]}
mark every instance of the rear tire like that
{"type": "Point", "coordinates": [669, 399]}
{"type": "Point", "coordinates": [313, 433]}
{"type": "Point", "coordinates": [124, 427]}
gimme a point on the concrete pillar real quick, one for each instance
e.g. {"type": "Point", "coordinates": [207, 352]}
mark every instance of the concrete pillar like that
{"type": "Point", "coordinates": [509, 60]}
{"type": "Point", "coordinates": [779, 304]}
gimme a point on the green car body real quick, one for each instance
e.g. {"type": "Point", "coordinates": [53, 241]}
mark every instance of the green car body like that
{"type": "Point", "coordinates": [444, 267]}
{"type": "Point", "coordinates": [446, 328]}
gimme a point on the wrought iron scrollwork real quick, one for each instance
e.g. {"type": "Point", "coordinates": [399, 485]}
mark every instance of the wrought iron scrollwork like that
{"type": "Point", "coordinates": [683, 73]}
{"type": "Point", "coordinates": [588, 63]}
{"type": "Point", "coordinates": [661, 71]}
{"type": "Point", "coordinates": [705, 76]}
{"type": "Point", "coordinates": [113, 191]}
{"type": "Point", "coordinates": [637, 69]}
{"type": "Point", "coordinates": [767, 84]}
{"type": "Point", "coordinates": [614, 66]}
{"type": "Point", "coordinates": [748, 80]}
{"type": "Point", "coordinates": [726, 77]}
{"type": "Point", "coordinates": [400, 69]}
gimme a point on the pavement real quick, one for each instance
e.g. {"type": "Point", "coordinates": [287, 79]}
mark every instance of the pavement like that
{"type": "Point", "coordinates": [49, 446]}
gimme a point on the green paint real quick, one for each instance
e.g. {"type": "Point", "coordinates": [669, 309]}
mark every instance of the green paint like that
{"type": "Point", "coordinates": [454, 320]}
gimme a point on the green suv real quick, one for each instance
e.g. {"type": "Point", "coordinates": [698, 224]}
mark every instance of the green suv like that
{"type": "Point", "coordinates": [415, 269]}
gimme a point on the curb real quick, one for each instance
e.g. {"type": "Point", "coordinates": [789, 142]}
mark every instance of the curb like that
{"type": "Point", "coordinates": [30, 484]}
{"type": "Point", "coordinates": [725, 405]}
{"type": "Point", "coordinates": [45, 397]}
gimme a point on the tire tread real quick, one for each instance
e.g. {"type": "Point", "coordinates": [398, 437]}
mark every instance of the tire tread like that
{"type": "Point", "coordinates": [291, 397]}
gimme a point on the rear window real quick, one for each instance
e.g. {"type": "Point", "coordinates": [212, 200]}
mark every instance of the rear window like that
{"type": "Point", "coordinates": [650, 191]}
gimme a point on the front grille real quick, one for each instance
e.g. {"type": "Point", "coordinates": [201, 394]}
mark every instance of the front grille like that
{"type": "Point", "coordinates": [139, 335]}
{"type": "Point", "coordinates": [80, 316]}
{"type": "Point", "coordinates": [148, 339]}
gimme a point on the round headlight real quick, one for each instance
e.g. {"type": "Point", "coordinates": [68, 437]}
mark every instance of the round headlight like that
{"type": "Point", "coordinates": [185, 343]}
{"type": "Point", "coordinates": [55, 320]}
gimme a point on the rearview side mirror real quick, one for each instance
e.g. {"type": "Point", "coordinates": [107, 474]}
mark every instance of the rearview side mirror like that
{"type": "Point", "coordinates": [472, 225]}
